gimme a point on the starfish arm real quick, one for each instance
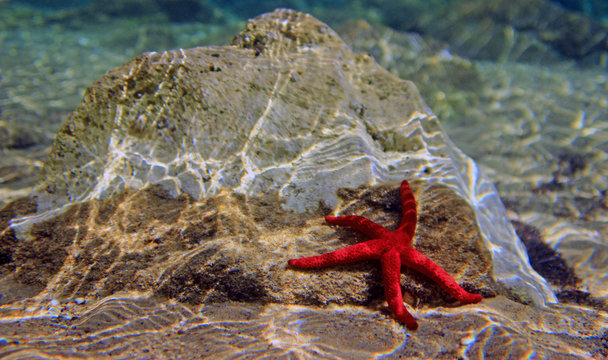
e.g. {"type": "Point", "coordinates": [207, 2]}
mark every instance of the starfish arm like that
{"type": "Point", "coordinates": [359, 223]}
{"type": "Point", "coordinates": [370, 249]}
{"type": "Point", "coordinates": [427, 267]}
{"type": "Point", "coordinates": [391, 275]}
{"type": "Point", "coordinates": [409, 216]}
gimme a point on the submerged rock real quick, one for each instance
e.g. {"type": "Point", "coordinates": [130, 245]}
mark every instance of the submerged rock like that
{"type": "Point", "coordinates": [286, 110]}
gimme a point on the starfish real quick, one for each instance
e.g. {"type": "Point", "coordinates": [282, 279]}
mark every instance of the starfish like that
{"type": "Point", "coordinates": [393, 249]}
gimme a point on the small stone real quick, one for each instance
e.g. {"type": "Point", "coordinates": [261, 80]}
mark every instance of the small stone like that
{"type": "Point", "coordinates": [80, 301]}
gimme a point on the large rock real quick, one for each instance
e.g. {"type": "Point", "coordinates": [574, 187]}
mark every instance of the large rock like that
{"type": "Point", "coordinates": [287, 110]}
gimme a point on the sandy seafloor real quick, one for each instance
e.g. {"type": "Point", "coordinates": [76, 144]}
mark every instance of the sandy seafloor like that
{"type": "Point", "coordinates": [539, 130]}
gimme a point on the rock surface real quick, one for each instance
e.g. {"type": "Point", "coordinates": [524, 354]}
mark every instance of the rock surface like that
{"type": "Point", "coordinates": [192, 175]}
{"type": "Point", "coordinates": [233, 247]}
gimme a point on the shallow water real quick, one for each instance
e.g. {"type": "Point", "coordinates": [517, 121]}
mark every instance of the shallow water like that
{"type": "Point", "coordinates": [537, 125]}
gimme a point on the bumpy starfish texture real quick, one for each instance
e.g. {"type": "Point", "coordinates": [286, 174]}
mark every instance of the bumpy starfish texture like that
{"type": "Point", "coordinates": [393, 249]}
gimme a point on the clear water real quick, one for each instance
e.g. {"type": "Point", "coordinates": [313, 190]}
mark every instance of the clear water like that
{"type": "Point", "coordinates": [530, 110]}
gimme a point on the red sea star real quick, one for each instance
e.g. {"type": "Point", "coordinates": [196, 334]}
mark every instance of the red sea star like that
{"type": "Point", "coordinates": [392, 249]}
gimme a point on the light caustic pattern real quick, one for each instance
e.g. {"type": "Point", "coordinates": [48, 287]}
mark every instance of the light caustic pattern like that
{"type": "Point", "coordinates": [119, 328]}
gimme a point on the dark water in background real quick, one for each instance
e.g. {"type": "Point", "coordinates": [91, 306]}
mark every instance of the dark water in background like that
{"type": "Point", "coordinates": [187, 10]}
{"type": "Point", "coordinates": [594, 8]}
